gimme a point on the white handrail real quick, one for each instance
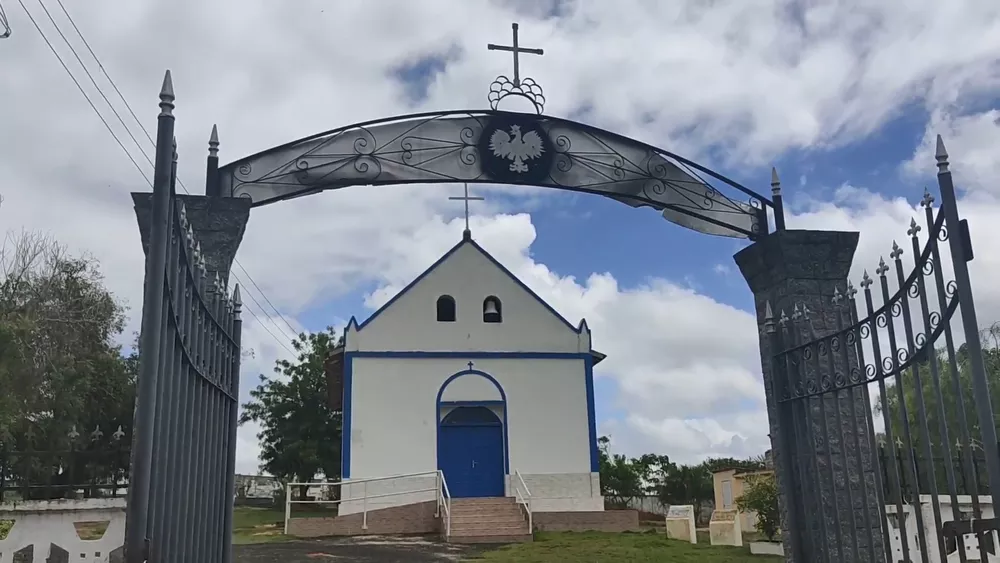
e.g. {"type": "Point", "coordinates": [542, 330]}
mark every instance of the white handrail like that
{"type": "Point", "coordinates": [445, 500]}
{"type": "Point", "coordinates": [364, 494]}
{"type": "Point", "coordinates": [525, 499]}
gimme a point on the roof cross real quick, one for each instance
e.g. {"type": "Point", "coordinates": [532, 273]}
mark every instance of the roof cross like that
{"type": "Point", "coordinates": [516, 49]}
{"type": "Point", "coordinates": [467, 198]}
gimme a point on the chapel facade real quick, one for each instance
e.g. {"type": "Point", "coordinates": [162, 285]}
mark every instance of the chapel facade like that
{"type": "Point", "coordinates": [469, 372]}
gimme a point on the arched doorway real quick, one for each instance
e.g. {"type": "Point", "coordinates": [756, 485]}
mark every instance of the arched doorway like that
{"type": "Point", "coordinates": [470, 452]}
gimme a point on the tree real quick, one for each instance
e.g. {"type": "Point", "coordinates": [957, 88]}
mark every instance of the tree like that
{"type": "Point", "coordinates": [760, 495]}
{"type": "Point", "coordinates": [300, 433]}
{"type": "Point", "coordinates": [686, 484]}
{"type": "Point", "coordinates": [624, 479]}
{"type": "Point", "coordinates": [60, 367]}
{"type": "Point", "coordinates": [948, 406]}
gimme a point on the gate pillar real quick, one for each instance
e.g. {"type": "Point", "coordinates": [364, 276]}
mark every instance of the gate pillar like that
{"type": "Point", "coordinates": [218, 224]}
{"type": "Point", "coordinates": [822, 470]}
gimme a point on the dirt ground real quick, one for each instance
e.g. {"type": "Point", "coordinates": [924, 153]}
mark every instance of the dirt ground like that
{"type": "Point", "coordinates": [370, 549]}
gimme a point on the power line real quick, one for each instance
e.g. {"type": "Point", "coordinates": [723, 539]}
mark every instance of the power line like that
{"type": "Point", "coordinates": [122, 145]}
{"type": "Point", "coordinates": [82, 91]}
{"type": "Point", "coordinates": [149, 138]}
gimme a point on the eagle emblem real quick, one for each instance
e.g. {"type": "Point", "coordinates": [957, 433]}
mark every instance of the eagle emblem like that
{"type": "Point", "coordinates": [516, 147]}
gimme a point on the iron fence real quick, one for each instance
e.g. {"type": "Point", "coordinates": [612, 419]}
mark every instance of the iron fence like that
{"type": "Point", "coordinates": [896, 372]}
{"type": "Point", "coordinates": [77, 466]}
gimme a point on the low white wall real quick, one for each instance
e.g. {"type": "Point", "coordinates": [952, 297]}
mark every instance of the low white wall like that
{"type": "Point", "coordinates": [947, 515]}
{"type": "Point", "coordinates": [561, 492]}
{"type": "Point", "coordinates": [43, 523]}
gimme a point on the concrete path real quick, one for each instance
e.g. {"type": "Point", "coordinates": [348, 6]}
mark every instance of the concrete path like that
{"type": "Point", "coordinates": [371, 549]}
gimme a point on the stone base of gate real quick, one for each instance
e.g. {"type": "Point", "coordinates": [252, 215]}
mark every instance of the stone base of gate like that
{"type": "Point", "coordinates": [398, 520]}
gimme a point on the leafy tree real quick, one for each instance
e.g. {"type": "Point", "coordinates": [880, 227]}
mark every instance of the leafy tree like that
{"type": "Point", "coordinates": [60, 368]}
{"type": "Point", "coordinates": [948, 406]}
{"type": "Point", "coordinates": [300, 433]}
{"type": "Point", "coordinates": [760, 495]}
{"type": "Point", "coordinates": [686, 484]}
{"type": "Point", "coordinates": [624, 479]}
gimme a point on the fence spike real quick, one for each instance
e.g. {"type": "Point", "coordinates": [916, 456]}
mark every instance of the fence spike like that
{"type": "Point", "coordinates": [882, 268]}
{"type": "Point", "coordinates": [896, 251]}
{"type": "Point", "coordinates": [866, 280]}
{"type": "Point", "coordinates": [941, 155]}
{"type": "Point", "coordinates": [914, 228]}
{"type": "Point", "coordinates": [928, 199]}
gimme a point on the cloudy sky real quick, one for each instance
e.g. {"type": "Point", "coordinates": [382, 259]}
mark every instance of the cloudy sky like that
{"type": "Point", "coordinates": [844, 97]}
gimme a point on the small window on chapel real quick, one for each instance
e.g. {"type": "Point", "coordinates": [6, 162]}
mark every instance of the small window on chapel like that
{"type": "Point", "coordinates": [492, 310]}
{"type": "Point", "coordinates": [446, 309]}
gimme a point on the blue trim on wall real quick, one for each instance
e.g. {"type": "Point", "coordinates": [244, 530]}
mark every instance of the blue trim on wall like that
{"type": "Point", "coordinates": [437, 413]}
{"type": "Point", "coordinates": [345, 423]}
{"type": "Point", "coordinates": [489, 257]}
{"type": "Point", "coordinates": [595, 466]}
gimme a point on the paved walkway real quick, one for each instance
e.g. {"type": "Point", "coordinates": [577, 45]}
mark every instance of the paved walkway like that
{"type": "Point", "coordinates": [370, 549]}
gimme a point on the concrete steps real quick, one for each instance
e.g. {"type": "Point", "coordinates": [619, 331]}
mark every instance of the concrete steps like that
{"type": "Point", "coordinates": [488, 520]}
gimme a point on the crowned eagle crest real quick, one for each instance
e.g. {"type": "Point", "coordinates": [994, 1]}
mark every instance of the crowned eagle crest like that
{"type": "Point", "coordinates": [516, 147]}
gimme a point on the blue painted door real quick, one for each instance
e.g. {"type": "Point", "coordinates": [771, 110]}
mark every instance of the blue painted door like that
{"type": "Point", "coordinates": [471, 456]}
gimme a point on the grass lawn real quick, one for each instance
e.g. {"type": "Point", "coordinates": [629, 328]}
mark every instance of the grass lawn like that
{"type": "Point", "coordinates": [265, 525]}
{"type": "Point", "coordinates": [595, 547]}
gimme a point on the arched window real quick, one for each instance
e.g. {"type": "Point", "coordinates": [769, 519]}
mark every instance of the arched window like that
{"type": "Point", "coordinates": [492, 310]}
{"type": "Point", "coordinates": [446, 309]}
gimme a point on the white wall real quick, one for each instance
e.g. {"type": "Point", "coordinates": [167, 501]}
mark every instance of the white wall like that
{"type": "Point", "coordinates": [41, 523]}
{"type": "Point", "coordinates": [410, 322]}
{"type": "Point", "coordinates": [930, 529]}
{"type": "Point", "coordinates": [394, 432]}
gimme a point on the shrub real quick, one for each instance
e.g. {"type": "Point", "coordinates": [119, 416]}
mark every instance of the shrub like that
{"type": "Point", "coordinates": [760, 495]}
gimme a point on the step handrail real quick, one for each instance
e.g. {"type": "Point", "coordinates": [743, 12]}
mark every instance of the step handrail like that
{"type": "Point", "coordinates": [524, 499]}
{"type": "Point", "coordinates": [444, 500]}
{"type": "Point", "coordinates": [364, 494]}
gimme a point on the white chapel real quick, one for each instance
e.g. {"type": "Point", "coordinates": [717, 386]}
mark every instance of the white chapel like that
{"type": "Point", "coordinates": [469, 372]}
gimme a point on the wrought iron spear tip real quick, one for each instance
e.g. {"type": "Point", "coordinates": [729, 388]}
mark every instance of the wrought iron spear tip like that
{"type": "Point", "coordinates": [167, 96]}
{"type": "Point", "coordinates": [914, 228]}
{"type": "Point", "coordinates": [782, 318]}
{"type": "Point", "coordinates": [941, 155]}
{"type": "Point", "coordinates": [838, 297]}
{"type": "Point", "coordinates": [928, 199]}
{"type": "Point", "coordinates": [851, 290]}
{"type": "Point", "coordinates": [775, 182]}
{"type": "Point", "coordinates": [882, 268]}
{"type": "Point", "coordinates": [768, 313]}
{"type": "Point", "coordinates": [237, 303]}
{"type": "Point", "coordinates": [896, 251]}
{"type": "Point", "coordinates": [213, 142]}
{"type": "Point", "coordinates": [866, 280]}
{"type": "Point", "coordinates": [118, 434]}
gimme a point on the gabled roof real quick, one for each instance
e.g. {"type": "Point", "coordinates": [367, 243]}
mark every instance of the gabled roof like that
{"type": "Point", "coordinates": [467, 240]}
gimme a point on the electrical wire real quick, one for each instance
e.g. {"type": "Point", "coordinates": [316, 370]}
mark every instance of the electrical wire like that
{"type": "Point", "coordinates": [148, 137]}
{"type": "Point", "coordinates": [143, 152]}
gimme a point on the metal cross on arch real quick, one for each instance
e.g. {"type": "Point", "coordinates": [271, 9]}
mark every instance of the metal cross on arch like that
{"type": "Point", "coordinates": [516, 49]}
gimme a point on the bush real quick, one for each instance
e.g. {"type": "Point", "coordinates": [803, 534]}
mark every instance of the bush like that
{"type": "Point", "coordinates": [760, 495]}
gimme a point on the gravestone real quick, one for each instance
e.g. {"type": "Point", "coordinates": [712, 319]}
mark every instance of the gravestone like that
{"type": "Point", "coordinates": [724, 528]}
{"type": "Point", "coordinates": [680, 523]}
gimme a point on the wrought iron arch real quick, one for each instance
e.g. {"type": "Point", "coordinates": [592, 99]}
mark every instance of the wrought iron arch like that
{"type": "Point", "coordinates": [500, 147]}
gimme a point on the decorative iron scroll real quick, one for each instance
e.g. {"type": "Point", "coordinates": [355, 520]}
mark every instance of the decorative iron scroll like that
{"type": "Point", "coordinates": [500, 148]}
{"type": "Point", "coordinates": [805, 348]}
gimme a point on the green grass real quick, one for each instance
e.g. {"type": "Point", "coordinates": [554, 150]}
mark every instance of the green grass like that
{"type": "Point", "coordinates": [266, 525]}
{"type": "Point", "coordinates": [596, 547]}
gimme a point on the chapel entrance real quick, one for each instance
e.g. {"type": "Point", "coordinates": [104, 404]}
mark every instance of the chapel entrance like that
{"type": "Point", "coordinates": [470, 452]}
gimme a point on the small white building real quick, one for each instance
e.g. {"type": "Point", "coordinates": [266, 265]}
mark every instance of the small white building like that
{"type": "Point", "coordinates": [468, 371]}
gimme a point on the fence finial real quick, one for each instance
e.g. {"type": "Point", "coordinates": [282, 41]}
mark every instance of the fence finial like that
{"type": "Point", "coordinates": [237, 303]}
{"type": "Point", "coordinates": [882, 268]}
{"type": "Point", "coordinates": [775, 182]}
{"type": "Point", "coordinates": [914, 228]}
{"type": "Point", "coordinates": [866, 280]}
{"type": "Point", "coordinates": [896, 251]}
{"type": "Point", "coordinates": [768, 318]}
{"type": "Point", "coordinates": [167, 96]}
{"type": "Point", "coordinates": [941, 154]}
{"type": "Point", "coordinates": [928, 199]}
{"type": "Point", "coordinates": [213, 142]}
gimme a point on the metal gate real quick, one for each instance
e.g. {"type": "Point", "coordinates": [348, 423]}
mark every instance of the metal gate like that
{"type": "Point", "coordinates": [930, 429]}
{"type": "Point", "coordinates": [182, 487]}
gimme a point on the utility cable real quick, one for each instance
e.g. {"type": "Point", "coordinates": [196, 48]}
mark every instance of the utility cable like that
{"type": "Point", "coordinates": [126, 151]}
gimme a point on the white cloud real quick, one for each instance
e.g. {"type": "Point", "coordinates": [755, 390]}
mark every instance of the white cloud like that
{"type": "Point", "coordinates": [744, 79]}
